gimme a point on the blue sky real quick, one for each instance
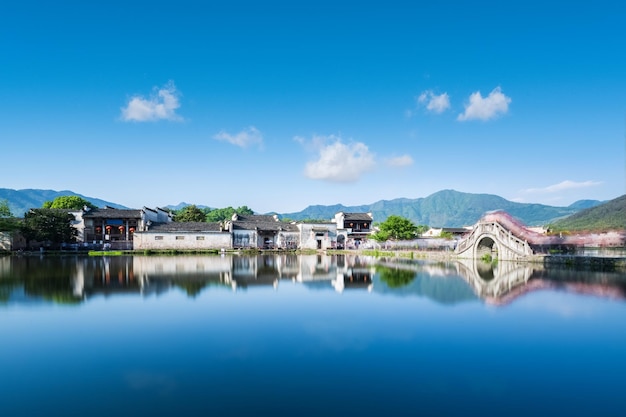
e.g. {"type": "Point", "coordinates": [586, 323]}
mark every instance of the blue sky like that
{"type": "Point", "coordinates": [280, 105]}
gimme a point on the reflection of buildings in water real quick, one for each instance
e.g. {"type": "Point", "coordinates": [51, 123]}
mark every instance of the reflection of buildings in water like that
{"type": "Point", "coordinates": [502, 283]}
{"type": "Point", "coordinates": [104, 275]}
{"type": "Point", "coordinates": [190, 272]}
{"type": "Point", "coordinates": [254, 270]}
{"type": "Point", "coordinates": [317, 268]}
{"type": "Point", "coordinates": [156, 274]}
{"type": "Point", "coordinates": [146, 274]}
{"type": "Point", "coordinates": [354, 272]}
{"type": "Point", "coordinates": [340, 271]}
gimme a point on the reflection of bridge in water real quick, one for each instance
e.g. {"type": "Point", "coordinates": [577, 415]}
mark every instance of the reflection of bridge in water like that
{"type": "Point", "coordinates": [503, 282]}
{"type": "Point", "coordinates": [492, 281]}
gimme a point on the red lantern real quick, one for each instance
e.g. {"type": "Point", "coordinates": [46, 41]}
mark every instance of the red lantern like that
{"type": "Point", "coordinates": [108, 229]}
{"type": "Point", "coordinates": [121, 229]}
{"type": "Point", "coordinates": [132, 230]}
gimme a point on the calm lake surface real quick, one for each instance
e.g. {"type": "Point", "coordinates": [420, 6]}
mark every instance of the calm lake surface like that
{"type": "Point", "coordinates": [307, 335]}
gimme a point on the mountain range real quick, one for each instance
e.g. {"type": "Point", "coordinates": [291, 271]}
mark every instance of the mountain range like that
{"type": "Point", "coordinates": [20, 201]}
{"type": "Point", "coordinates": [446, 208]}
{"type": "Point", "coordinates": [449, 208]}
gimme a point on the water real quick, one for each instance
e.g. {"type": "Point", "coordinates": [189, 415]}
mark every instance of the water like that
{"type": "Point", "coordinates": [308, 335]}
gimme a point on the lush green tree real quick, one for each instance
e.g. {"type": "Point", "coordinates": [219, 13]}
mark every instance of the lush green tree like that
{"type": "Point", "coordinates": [5, 211]}
{"type": "Point", "coordinates": [49, 225]}
{"type": "Point", "coordinates": [422, 228]}
{"type": "Point", "coordinates": [446, 235]}
{"type": "Point", "coordinates": [396, 228]}
{"type": "Point", "coordinates": [189, 214]}
{"type": "Point", "coordinates": [69, 202]}
{"type": "Point", "coordinates": [218, 215]}
{"type": "Point", "coordinates": [8, 223]}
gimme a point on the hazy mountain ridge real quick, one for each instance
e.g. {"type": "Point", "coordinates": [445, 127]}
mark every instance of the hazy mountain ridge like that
{"type": "Point", "coordinates": [20, 201]}
{"type": "Point", "coordinates": [446, 208]}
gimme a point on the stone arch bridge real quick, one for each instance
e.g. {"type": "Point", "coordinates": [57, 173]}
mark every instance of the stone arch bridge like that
{"type": "Point", "coordinates": [498, 235]}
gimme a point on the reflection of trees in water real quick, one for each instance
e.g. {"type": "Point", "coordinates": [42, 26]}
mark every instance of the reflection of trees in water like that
{"type": "Point", "coordinates": [8, 281]}
{"type": "Point", "coordinates": [192, 288]}
{"type": "Point", "coordinates": [395, 277]}
{"type": "Point", "coordinates": [485, 270]}
{"type": "Point", "coordinates": [48, 278]}
{"type": "Point", "coordinates": [437, 281]}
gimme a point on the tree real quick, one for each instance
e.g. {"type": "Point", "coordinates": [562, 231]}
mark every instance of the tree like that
{"type": "Point", "coordinates": [189, 214]}
{"type": "Point", "coordinates": [5, 211]}
{"type": "Point", "coordinates": [49, 225]}
{"type": "Point", "coordinates": [218, 215]}
{"type": "Point", "coordinates": [422, 228]}
{"type": "Point", "coordinates": [68, 202]}
{"type": "Point", "coordinates": [8, 223]}
{"type": "Point", "coordinates": [396, 228]}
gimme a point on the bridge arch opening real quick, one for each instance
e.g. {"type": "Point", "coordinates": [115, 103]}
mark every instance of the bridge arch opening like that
{"type": "Point", "coordinates": [486, 246]}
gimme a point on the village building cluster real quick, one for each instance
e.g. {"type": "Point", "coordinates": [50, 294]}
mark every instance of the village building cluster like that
{"type": "Point", "coordinates": [154, 229]}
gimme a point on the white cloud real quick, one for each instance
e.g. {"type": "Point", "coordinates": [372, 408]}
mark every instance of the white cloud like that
{"type": "Point", "coordinates": [247, 137]}
{"type": "Point", "coordinates": [161, 105]}
{"type": "Point", "coordinates": [338, 161]}
{"type": "Point", "coordinates": [485, 108]}
{"type": "Point", "coordinates": [400, 161]}
{"type": "Point", "coordinates": [562, 186]}
{"type": "Point", "coordinates": [434, 103]}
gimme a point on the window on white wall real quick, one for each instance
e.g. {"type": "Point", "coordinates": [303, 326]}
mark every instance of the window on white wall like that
{"type": "Point", "coordinates": [180, 237]}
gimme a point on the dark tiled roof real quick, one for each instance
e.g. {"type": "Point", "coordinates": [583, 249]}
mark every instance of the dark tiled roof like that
{"type": "Point", "coordinates": [261, 224]}
{"type": "Point", "coordinates": [55, 210]}
{"type": "Point", "coordinates": [455, 229]}
{"type": "Point", "coordinates": [256, 218]}
{"type": "Point", "coordinates": [112, 213]}
{"type": "Point", "coordinates": [191, 227]}
{"type": "Point", "coordinates": [357, 217]}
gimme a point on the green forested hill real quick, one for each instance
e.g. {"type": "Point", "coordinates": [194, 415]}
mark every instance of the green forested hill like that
{"type": "Point", "coordinates": [448, 208]}
{"type": "Point", "coordinates": [607, 216]}
{"type": "Point", "coordinates": [20, 201]}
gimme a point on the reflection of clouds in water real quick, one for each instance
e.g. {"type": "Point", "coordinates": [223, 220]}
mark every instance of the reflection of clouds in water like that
{"type": "Point", "coordinates": [561, 304]}
{"type": "Point", "coordinates": [149, 381]}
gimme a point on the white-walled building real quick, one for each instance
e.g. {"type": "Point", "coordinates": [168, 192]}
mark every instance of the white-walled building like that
{"type": "Point", "coordinates": [182, 236]}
